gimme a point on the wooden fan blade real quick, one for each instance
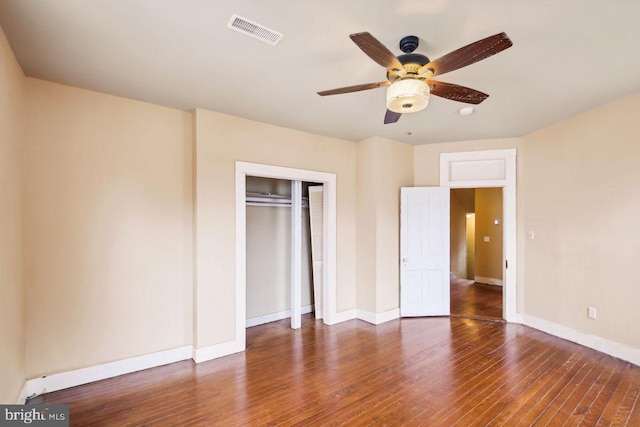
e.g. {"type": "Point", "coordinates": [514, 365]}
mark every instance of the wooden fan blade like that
{"type": "Point", "coordinates": [457, 93]}
{"type": "Point", "coordinates": [378, 52]}
{"type": "Point", "coordinates": [355, 88]}
{"type": "Point", "coordinates": [468, 55]}
{"type": "Point", "coordinates": [391, 117]}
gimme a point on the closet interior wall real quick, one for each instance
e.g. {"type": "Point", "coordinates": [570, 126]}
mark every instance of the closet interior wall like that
{"type": "Point", "coordinates": [269, 252]}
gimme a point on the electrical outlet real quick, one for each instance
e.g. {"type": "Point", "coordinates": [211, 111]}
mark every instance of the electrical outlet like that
{"type": "Point", "coordinates": [592, 313]}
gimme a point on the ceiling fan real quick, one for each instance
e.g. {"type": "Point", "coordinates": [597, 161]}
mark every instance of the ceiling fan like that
{"type": "Point", "coordinates": [409, 75]}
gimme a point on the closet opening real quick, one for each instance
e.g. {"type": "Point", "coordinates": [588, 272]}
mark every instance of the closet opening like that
{"type": "Point", "coordinates": [275, 289]}
{"type": "Point", "coordinates": [328, 307]}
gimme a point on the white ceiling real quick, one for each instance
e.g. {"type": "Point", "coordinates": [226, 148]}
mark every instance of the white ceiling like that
{"type": "Point", "coordinates": [568, 56]}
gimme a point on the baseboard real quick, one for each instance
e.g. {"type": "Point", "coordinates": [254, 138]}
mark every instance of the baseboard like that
{"type": "Point", "coordinates": [22, 397]}
{"type": "Point", "coordinates": [488, 280]}
{"type": "Point", "coordinates": [215, 351]}
{"type": "Point", "coordinates": [378, 318]}
{"type": "Point", "coordinates": [273, 317]}
{"type": "Point", "coordinates": [343, 316]}
{"type": "Point", "coordinates": [612, 348]}
{"type": "Point", "coordinates": [62, 380]}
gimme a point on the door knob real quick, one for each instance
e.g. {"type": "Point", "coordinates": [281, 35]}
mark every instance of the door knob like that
{"type": "Point", "coordinates": [404, 260]}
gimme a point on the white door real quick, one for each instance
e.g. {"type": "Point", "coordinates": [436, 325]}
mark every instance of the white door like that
{"type": "Point", "coordinates": [316, 207]}
{"type": "Point", "coordinates": [424, 251]}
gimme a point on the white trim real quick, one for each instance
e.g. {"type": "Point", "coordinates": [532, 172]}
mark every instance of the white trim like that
{"type": "Point", "coordinates": [329, 254]}
{"type": "Point", "coordinates": [22, 397]}
{"type": "Point", "coordinates": [273, 317]}
{"type": "Point", "coordinates": [215, 351]}
{"type": "Point", "coordinates": [296, 254]}
{"type": "Point", "coordinates": [273, 205]}
{"type": "Point", "coordinates": [612, 348]}
{"type": "Point", "coordinates": [243, 169]}
{"type": "Point", "coordinates": [241, 261]}
{"type": "Point", "coordinates": [490, 168]}
{"type": "Point", "coordinates": [378, 318]}
{"type": "Point", "coordinates": [488, 280]}
{"type": "Point", "coordinates": [316, 229]}
{"type": "Point", "coordinates": [344, 316]}
{"type": "Point", "coordinates": [62, 380]}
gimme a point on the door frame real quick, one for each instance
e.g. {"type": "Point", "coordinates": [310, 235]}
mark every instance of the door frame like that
{"type": "Point", "coordinates": [491, 168]}
{"type": "Point", "coordinates": [329, 235]}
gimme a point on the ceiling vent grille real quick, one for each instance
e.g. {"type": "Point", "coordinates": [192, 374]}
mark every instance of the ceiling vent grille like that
{"type": "Point", "coordinates": [254, 30]}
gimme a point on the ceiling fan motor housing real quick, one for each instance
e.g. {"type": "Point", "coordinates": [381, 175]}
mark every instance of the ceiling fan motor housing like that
{"type": "Point", "coordinates": [409, 43]}
{"type": "Point", "coordinates": [413, 58]}
{"type": "Point", "coordinates": [412, 63]}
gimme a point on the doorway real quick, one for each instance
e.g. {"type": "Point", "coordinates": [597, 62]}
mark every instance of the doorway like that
{"type": "Point", "coordinates": [491, 168]}
{"type": "Point", "coordinates": [476, 252]}
{"type": "Point", "coordinates": [329, 273]}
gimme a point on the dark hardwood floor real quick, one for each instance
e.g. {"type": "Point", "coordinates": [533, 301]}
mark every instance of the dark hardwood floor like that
{"type": "Point", "coordinates": [418, 371]}
{"type": "Point", "coordinates": [476, 300]}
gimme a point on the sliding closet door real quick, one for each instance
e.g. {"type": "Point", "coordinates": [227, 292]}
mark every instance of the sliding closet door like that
{"type": "Point", "coordinates": [316, 206]}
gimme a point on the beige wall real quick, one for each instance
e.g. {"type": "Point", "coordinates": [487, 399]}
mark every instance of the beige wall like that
{"type": "Point", "coordinates": [12, 306]}
{"type": "Point", "coordinates": [223, 139]}
{"type": "Point", "coordinates": [581, 186]}
{"type": "Point", "coordinates": [489, 255]}
{"type": "Point", "coordinates": [108, 226]}
{"type": "Point", "coordinates": [384, 166]}
{"type": "Point", "coordinates": [366, 228]}
{"type": "Point", "coordinates": [471, 246]}
{"type": "Point", "coordinates": [269, 260]}
{"type": "Point", "coordinates": [282, 187]}
{"type": "Point", "coordinates": [458, 237]}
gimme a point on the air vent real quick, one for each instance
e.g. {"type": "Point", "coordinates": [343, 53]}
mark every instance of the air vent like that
{"type": "Point", "coordinates": [254, 30]}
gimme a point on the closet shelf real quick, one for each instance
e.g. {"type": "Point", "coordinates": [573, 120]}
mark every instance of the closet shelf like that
{"type": "Point", "coordinates": [270, 199]}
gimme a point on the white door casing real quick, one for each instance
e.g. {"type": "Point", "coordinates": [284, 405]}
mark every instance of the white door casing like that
{"type": "Point", "coordinates": [329, 238]}
{"type": "Point", "coordinates": [483, 169]}
{"type": "Point", "coordinates": [296, 254]}
{"type": "Point", "coordinates": [424, 251]}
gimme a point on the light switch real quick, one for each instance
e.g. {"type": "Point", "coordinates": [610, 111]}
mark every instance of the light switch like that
{"type": "Point", "coordinates": [532, 235]}
{"type": "Point", "coordinates": [487, 239]}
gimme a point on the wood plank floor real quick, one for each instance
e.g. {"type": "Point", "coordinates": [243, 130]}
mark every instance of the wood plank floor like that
{"type": "Point", "coordinates": [414, 372]}
{"type": "Point", "coordinates": [476, 300]}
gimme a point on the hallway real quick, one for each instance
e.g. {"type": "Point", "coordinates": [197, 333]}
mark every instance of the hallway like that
{"type": "Point", "coordinates": [476, 300]}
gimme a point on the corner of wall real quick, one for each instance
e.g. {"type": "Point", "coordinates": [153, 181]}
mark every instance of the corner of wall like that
{"type": "Point", "coordinates": [384, 166]}
{"type": "Point", "coordinates": [365, 227]}
{"type": "Point", "coordinates": [194, 229]}
{"type": "Point", "coordinates": [13, 285]}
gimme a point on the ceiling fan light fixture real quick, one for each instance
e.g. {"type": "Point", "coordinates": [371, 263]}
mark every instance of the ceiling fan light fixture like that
{"type": "Point", "coordinates": [407, 96]}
